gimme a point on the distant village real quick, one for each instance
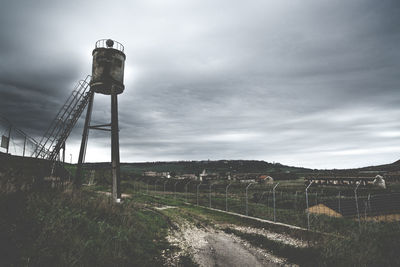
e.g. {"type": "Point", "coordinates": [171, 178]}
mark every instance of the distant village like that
{"type": "Point", "coordinates": [363, 178]}
{"type": "Point", "coordinates": [205, 176]}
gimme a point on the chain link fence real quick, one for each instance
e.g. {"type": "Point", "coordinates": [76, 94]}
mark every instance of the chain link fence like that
{"type": "Point", "coordinates": [14, 141]}
{"type": "Point", "coordinates": [333, 209]}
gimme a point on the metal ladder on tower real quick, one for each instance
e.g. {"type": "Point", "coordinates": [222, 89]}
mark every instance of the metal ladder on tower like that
{"type": "Point", "coordinates": [55, 136]}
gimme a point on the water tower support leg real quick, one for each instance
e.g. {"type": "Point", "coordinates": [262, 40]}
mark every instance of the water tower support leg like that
{"type": "Point", "coordinates": [78, 175]}
{"type": "Point", "coordinates": [116, 192]}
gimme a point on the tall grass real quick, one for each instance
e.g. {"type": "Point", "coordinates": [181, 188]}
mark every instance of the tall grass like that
{"type": "Point", "coordinates": [78, 229]}
{"type": "Point", "coordinates": [376, 245]}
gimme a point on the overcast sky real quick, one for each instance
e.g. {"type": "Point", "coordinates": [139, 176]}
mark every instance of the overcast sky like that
{"type": "Point", "coordinates": [309, 83]}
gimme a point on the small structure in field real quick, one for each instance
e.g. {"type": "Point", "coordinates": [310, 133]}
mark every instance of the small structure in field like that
{"type": "Point", "coordinates": [379, 181]}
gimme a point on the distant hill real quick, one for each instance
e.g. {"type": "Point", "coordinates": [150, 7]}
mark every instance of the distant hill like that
{"type": "Point", "coordinates": [196, 167]}
{"type": "Point", "coordinates": [34, 167]}
{"type": "Point", "coordinates": [234, 166]}
{"type": "Point", "coordinates": [392, 167]}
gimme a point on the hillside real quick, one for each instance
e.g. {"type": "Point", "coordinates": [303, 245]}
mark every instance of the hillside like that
{"type": "Point", "coordinates": [196, 167]}
{"type": "Point", "coordinates": [224, 167]}
{"type": "Point", "coordinates": [392, 167]}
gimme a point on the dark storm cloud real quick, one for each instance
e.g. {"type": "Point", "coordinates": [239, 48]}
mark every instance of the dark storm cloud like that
{"type": "Point", "coordinates": [311, 83]}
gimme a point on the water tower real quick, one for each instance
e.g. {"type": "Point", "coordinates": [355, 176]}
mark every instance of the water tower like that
{"type": "Point", "coordinates": [107, 79]}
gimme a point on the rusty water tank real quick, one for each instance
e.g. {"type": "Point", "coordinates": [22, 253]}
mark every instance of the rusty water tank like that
{"type": "Point", "coordinates": [108, 67]}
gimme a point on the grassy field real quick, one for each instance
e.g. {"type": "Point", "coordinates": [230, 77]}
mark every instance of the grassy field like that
{"type": "Point", "coordinates": [84, 229]}
{"type": "Point", "coordinates": [41, 226]}
{"type": "Point", "coordinates": [80, 229]}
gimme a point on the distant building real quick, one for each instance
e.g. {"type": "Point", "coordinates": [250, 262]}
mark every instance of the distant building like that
{"type": "Point", "coordinates": [204, 176]}
{"type": "Point", "coordinates": [150, 173]}
{"type": "Point", "coordinates": [248, 180]}
{"type": "Point", "coordinates": [265, 179]}
{"type": "Point", "coordinates": [164, 174]}
{"type": "Point", "coordinates": [157, 174]}
{"type": "Point", "coordinates": [341, 180]}
{"type": "Point", "coordinates": [190, 176]}
{"type": "Point", "coordinates": [379, 181]}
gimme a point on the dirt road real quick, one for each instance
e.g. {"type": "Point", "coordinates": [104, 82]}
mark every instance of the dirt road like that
{"type": "Point", "coordinates": [223, 250]}
{"type": "Point", "coordinates": [210, 247]}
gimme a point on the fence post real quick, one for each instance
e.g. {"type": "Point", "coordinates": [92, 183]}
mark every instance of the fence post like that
{"type": "Point", "coordinates": [197, 193]}
{"type": "Point", "coordinates": [155, 186]}
{"type": "Point", "coordinates": [9, 137]}
{"type": "Point", "coordinates": [308, 212]}
{"type": "Point", "coordinates": [210, 194]}
{"type": "Point", "coordinates": [369, 204]}
{"type": "Point", "coordinates": [165, 183]}
{"type": "Point", "coordinates": [226, 196]}
{"type": "Point", "coordinates": [365, 209]}
{"type": "Point", "coordinates": [268, 198]}
{"type": "Point", "coordinates": [186, 189]}
{"type": "Point", "coordinates": [273, 195]}
{"type": "Point", "coordinates": [247, 200]}
{"type": "Point", "coordinates": [358, 211]}
{"type": "Point", "coordinates": [175, 189]}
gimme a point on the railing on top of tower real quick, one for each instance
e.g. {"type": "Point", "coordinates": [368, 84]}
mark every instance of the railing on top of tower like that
{"type": "Point", "coordinates": [104, 43]}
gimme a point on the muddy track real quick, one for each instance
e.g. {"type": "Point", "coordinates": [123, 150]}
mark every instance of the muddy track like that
{"type": "Point", "coordinates": [211, 247]}
{"type": "Point", "coordinates": [207, 245]}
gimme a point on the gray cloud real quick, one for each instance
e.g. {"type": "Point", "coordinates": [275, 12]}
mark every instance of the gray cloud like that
{"type": "Point", "coordinates": [310, 83]}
